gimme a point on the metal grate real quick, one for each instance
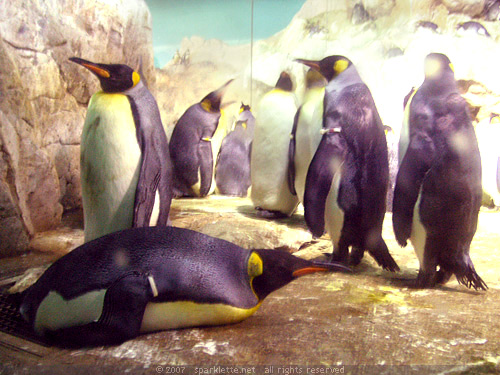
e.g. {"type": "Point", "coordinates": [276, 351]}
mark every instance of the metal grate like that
{"type": "Point", "coordinates": [12, 322]}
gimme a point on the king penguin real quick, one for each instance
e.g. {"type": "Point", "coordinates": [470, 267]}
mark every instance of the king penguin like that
{"type": "Point", "coordinates": [191, 146]}
{"type": "Point", "coordinates": [306, 132]}
{"type": "Point", "coordinates": [110, 290]}
{"type": "Point", "coordinates": [269, 163]}
{"type": "Point", "coordinates": [126, 172]}
{"type": "Point", "coordinates": [438, 187]}
{"type": "Point", "coordinates": [232, 173]}
{"type": "Point", "coordinates": [488, 134]}
{"type": "Point", "coordinates": [347, 180]}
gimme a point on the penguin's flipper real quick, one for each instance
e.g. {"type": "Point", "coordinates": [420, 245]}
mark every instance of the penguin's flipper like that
{"type": "Point", "coordinates": [165, 188]}
{"type": "Point", "coordinates": [145, 194]}
{"type": "Point", "coordinates": [121, 318]}
{"type": "Point", "coordinates": [326, 162]}
{"type": "Point", "coordinates": [205, 159]}
{"type": "Point", "coordinates": [291, 155]}
{"type": "Point", "coordinates": [415, 164]}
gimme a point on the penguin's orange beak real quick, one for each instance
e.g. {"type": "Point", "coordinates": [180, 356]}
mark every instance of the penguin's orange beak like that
{"type": "Point", "coordinates": [93, 67]}
{"type": "Point", "coordinates": [310, 63]}
{"type": "Point", "coordinates": [308, 270]}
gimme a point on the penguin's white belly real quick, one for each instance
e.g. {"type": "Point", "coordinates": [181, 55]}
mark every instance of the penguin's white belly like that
{"type": "Point", "coordinates": [488, 136]}
{"type": "Point", "coordinates": [404, 136]}
{"type": "Point", "coordinates": [418, 234]}
{"type": "Point", "coordinates": [110, 165]}
{"type": "Point", "coordinates": [334, 215]}
{"type": "Point", "coordinates": [307, 138]}
{"type": "Point", "coordinates": [269, 161]}
{"type": "Point", "coordinates": [172, 315]}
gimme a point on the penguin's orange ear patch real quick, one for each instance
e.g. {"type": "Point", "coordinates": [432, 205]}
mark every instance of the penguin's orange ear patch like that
{"type": "Point", "coordinates": [340, 65]}
{"type": "Point", "coordinates": [136, 78]}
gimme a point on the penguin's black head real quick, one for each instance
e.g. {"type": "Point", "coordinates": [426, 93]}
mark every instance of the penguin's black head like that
{"type": "Point", "coordinates": [270, 270]}
{"type": "Point", "coordinates": [330, 67]}
{"type": "Point", "coordinates": [438, 66]}
{"type": "Point", "coordinates": [244, 107]}
{"type": "Point", "coordinates": [211, 102]}
{"type": "Point", "coordinates": [284, 82]}
{"type": "Point", "coordinates": [113, 77]}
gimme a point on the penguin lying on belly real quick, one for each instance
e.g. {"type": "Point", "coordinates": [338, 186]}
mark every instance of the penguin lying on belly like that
{"type": "Point", "coordinates": [191, 146]}
{"type": "Point", "coordinates": [125, 167]}
{"type": "Point", "coordinates": [147, 279]}
{"type": "Point", "coordinates": [347, 179]}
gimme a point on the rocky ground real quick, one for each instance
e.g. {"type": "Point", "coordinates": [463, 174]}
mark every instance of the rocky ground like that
{"type": "Point", "coordinates": [370, 317]}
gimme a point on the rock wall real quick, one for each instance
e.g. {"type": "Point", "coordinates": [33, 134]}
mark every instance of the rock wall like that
{"type": "Point", "coordinates": [43, 99]}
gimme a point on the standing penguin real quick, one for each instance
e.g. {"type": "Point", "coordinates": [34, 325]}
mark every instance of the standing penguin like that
{"type": "Point", "coordinates": [438, 186]}
{"type": "Point", "coordinates": [306, 132]}
{"type": "Point", "coordinates": [488, 134]}
{"type": "Point", "coordinates": [110, 290]}
{"type": "Point", "coordinates": [232, 173]}
{"type": "Point", "coordinates": [347, 180]}
{"type": "Point", "coordinates": [269, 163]}
{"type": "Point", "coordinates": [126, 171]}
{"type": "Point", "coordinates": [191, 148]}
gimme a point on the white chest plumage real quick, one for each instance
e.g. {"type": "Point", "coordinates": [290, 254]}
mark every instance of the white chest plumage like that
{"type": "Point", "coordinates": [274, 122]}
{"type": "Point", "coordinates": [110, 165]}
{"type": "Point", "coordinates": [307, 136]}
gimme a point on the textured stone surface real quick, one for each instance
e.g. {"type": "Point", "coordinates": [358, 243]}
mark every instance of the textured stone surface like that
{"type": "Point", "coordinates": [472, 8]}
{"type": "Point", "coordinates": [44, 97]}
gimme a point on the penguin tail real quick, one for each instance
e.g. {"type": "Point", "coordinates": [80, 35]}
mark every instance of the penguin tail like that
{"type": "Point", "coordinates": [314, 267]}
{"type": "Point", "coordinates": [470, 278]}
{"type": "Point", "coordinates": [381, 254]}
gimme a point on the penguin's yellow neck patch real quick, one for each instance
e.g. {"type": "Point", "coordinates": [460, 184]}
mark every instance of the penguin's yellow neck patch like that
{"type": "Point", "coordinates": [340, 65]}
{"type": "Point", "coordinates": [135, 78]}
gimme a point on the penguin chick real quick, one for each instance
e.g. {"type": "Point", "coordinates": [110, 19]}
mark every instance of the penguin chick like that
{"type": "Point", "coordinates": [438, 186]}
{"type": "Point", "coordinates": [347, 180]}
{"type": "Point", "coordinates": [191, 145]}
{"type": "Point", "coordinates": [110, 290]}
{"type": "Point", "coordinates": [126, 171]}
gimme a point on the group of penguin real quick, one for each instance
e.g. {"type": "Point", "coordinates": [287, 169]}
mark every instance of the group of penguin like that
{"type": "Point", "coordinates": [136, 274]}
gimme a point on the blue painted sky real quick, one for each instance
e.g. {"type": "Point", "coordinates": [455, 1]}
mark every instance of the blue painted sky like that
{"type": "Point", "coordinates": [227, 20]}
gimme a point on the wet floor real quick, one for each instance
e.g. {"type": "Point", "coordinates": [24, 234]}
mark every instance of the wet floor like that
{"type": "Point", "coordinates": [369, 317]}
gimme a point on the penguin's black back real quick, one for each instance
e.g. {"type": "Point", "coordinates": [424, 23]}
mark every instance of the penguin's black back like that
{"type": "Point", "coordinates": [232, 174]}
{"type": "Point", "coordinates": [365, 174]}
{"type": "Point", "coordinates": [194, 125]}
